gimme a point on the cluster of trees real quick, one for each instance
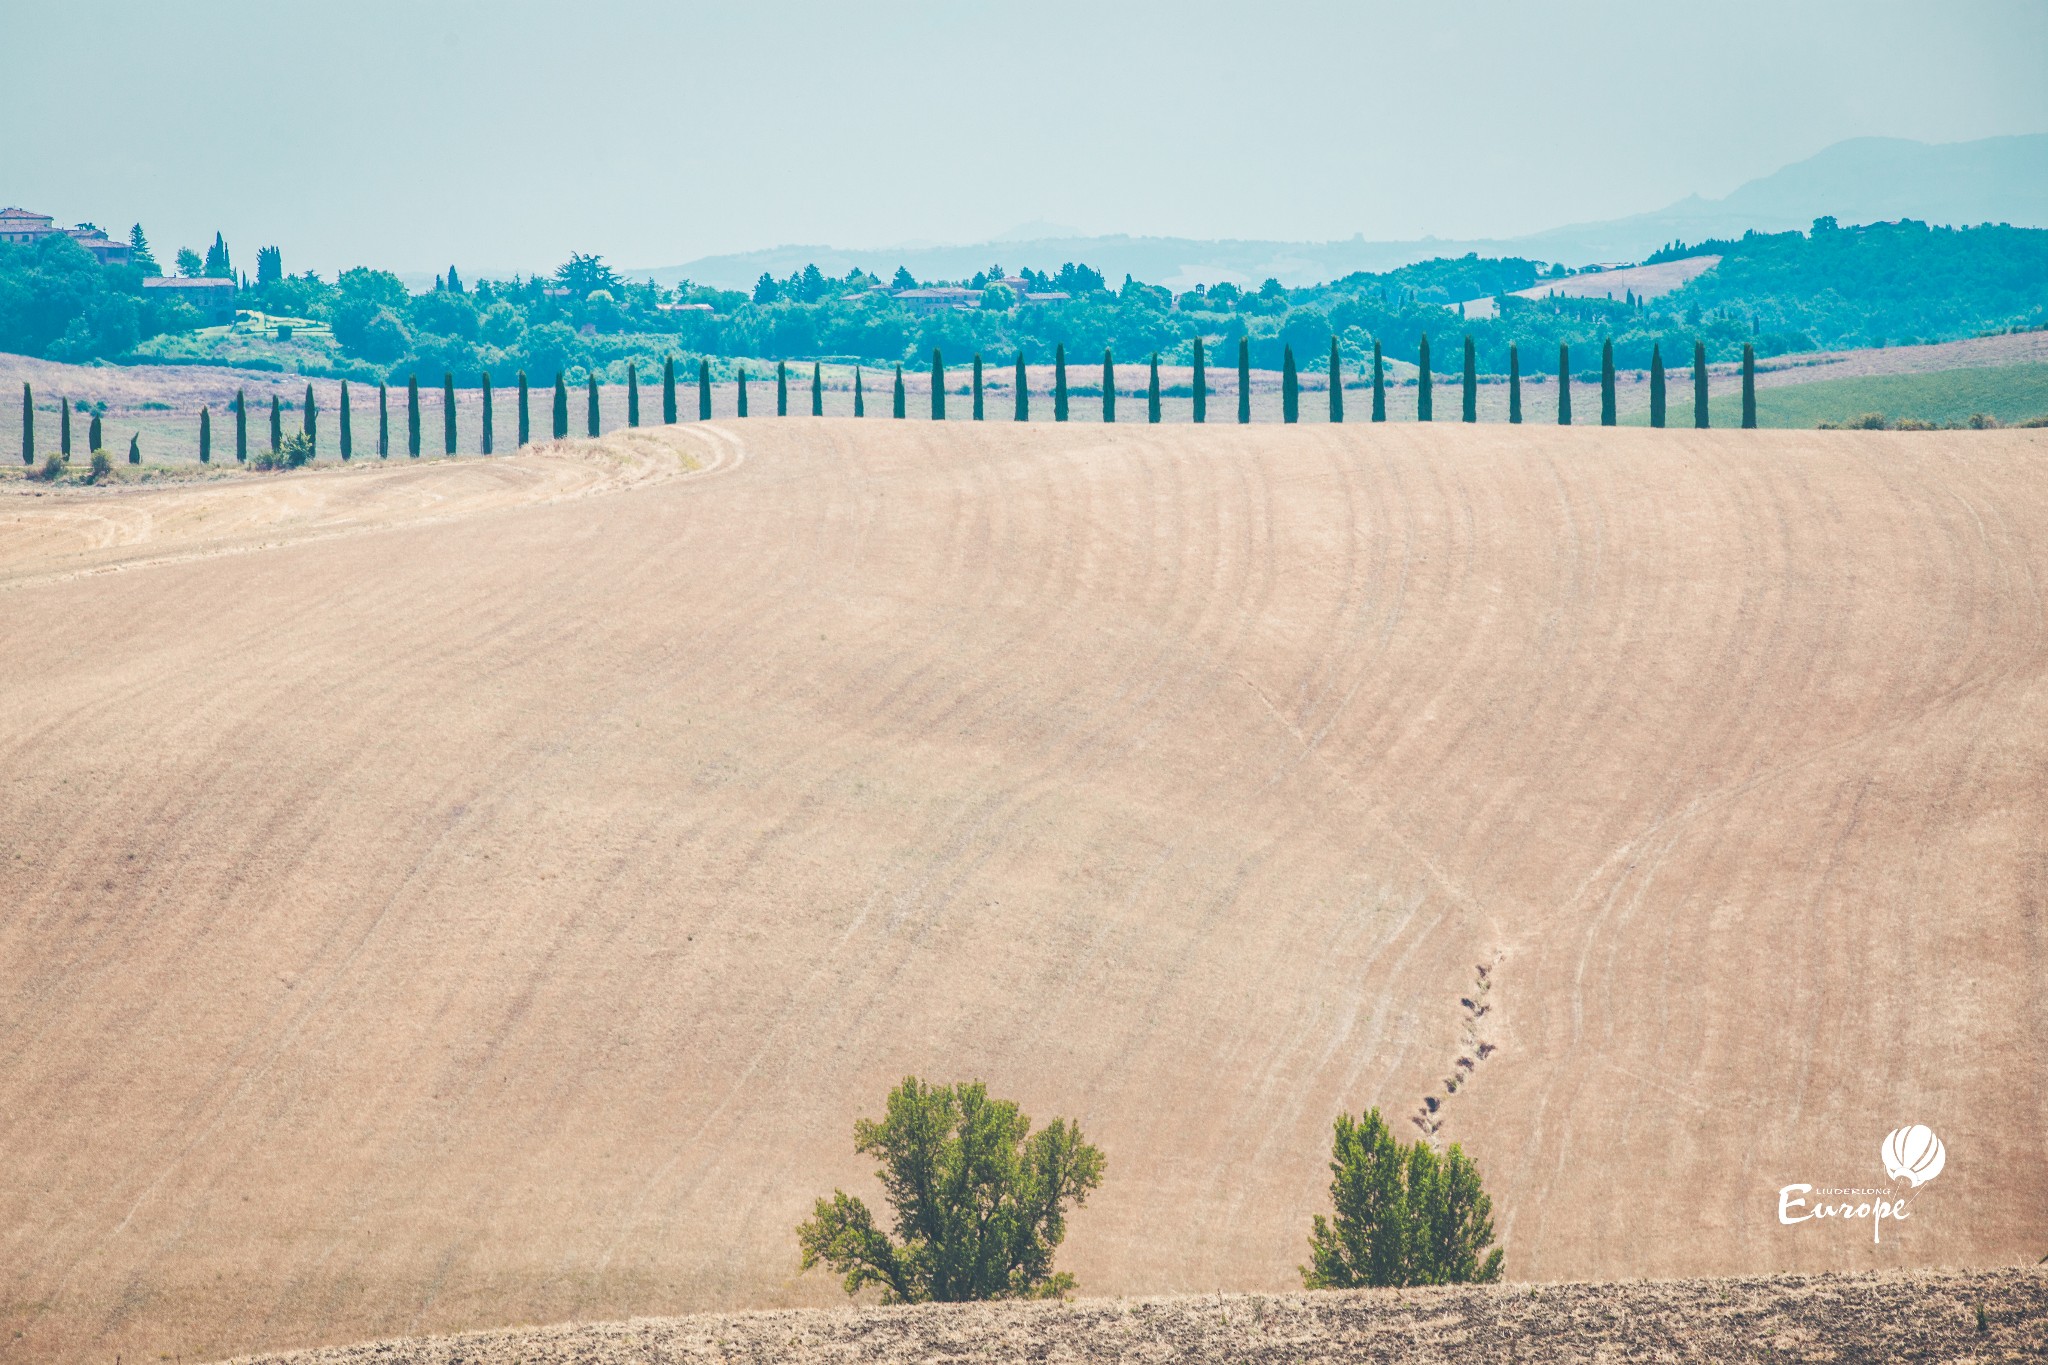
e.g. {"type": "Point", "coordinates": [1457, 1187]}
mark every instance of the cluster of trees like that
{"type": "Point", "coordinates": [981, 1202]}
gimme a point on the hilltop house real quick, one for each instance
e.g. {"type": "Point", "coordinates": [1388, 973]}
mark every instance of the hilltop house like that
{"type": "Point", "coordinates": [25, 228]}
{"type": "Point", "coordinates": [947, 296]}
{"type": "Point", "coordinates": [215, 299]}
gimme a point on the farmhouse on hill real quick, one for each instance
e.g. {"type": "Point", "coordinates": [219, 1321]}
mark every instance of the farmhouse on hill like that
{"type": "Point", "coordinates": [21, 226]}
{"type": "Point", "coordinates": [214, 298]}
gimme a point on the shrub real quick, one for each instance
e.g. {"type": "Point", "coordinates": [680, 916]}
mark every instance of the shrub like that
{"type": "Point", "coordinates": [295, 453]}
{"type": "Point", "coordinates": [1403, 1214]}
{"type": "Point", "coordinates": [1869, 421]}
{"type": "Point", "coordinates": [1982, 421]}
{"type": "Point", "coordinates": [102, 466]}
{"type": "Point", "coordinates": [980, 1200]}
{"type": "Point", "coordinates": [54, 465]}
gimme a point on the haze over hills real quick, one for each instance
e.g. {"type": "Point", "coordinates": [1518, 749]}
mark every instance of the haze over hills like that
{"type": "Point", "coordinates": [2000, 179]}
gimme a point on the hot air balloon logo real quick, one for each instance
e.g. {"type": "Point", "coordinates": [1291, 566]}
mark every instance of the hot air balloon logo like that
{"type": "Point", "coordinates": [1913, 1152]}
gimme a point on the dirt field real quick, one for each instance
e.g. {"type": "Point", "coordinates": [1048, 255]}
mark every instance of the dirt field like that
{"type": "Point", "coordinates": [468, 894]}
{"type": "Point", "coordinates": [1870, 1317]}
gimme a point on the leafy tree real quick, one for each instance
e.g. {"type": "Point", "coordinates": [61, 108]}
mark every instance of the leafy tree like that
{"type": "Point", "coordinates": [1403, 1215]}
{"type": "Point", "coordinates": [448, 413]}
{"type": "Point", "coordinates": [1201, 385]}
{"type": "Point", "coordinates": [206, 429]}
{"type": "Point", "coordinates": [188, 263]}
{"type": "Point", "coordinates": [584, 275]}
{"type": "Point", "coordinates": [1379, 384]}
{"type": "Point", "coordinates": [1656, 386]}
{"type": "Point", "coordinates": [1425, 403]}
{"type": "Point", "coordinates": [1290, 390]}
{"type": "Point", "coordinates": [703, 389]}
{"type": "Point", "coordinates": [1699, 384]}
{"type": "Point", "coordinates": [668, 391]}
{"type": "Point", "coordinates": [276, 425]}
{"type": "Point", "coordinates": [1471, 412]}
{"type": "Point", "coordinates": [980, 1200]}
{"type": "Point", "coordinates": [1748, 387]}
{"type": "Point", "coordinates": [269, 266]}
{"type": "Point", "coordinates": [632, 395]}
{"type": "Point", "coordinates": [1152, 393]}
{"type": "Point", "coordinates": [977, 386]}
{"type": "Point", "coordinates": [139, 254]}
{"type": "Point", "coordinates": [28, 425]}
{"type": "Point", "coordinates": [904, 280]}
{"type": "Point", "coordinates": [487, 443]}
{"type": "Point", "coordinates": [899, 396]}
{"type": "Point", "coordinates": [1108, 387]}
{"type": "Point", "coordinates": [1607, 382]}
{"type": "Point", "coordinates": [818, 387]}
{"type": "Point", "coordinates": [1023, 394]}
{"type": "Point", "coordinates": [1336, 381]}
{"type": "Point", "coordinates": [1564, 385]}
{"type": "Point", "coordinates": [1059, 382]}
{"type": "Point", "coordinates": [412, 416]}
{"type": "Point", "coordinates": [561, 414]}
{"type": "Point", "coordinates": [590, 387]}
{"type": "Point", "coordinates": [938, 386]}
{"type": "Point", "coordinates": [1514, 385]}
{"type": "Point", "coordinates": [1244, 380]}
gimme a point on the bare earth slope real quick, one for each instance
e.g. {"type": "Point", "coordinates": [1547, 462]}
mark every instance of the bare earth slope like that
{"type": "Point", "coordinates": [501, 915]}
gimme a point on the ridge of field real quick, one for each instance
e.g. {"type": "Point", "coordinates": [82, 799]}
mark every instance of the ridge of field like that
{"type": "Point", "coordinates": [502, 915]}
{"type": "Point", "coordinates": [1894, 1316]}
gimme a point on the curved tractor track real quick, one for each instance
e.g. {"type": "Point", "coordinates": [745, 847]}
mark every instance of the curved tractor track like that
{"type": "Point", "coordinates": [438, 899]}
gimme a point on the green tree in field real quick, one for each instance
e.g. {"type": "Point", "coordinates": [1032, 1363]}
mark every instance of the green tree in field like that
{"type": "Point", "coordinates": [561, 412]}
{"type": "Point", "coordinates": [1379, 384]}
{"type": "Point", "coordinates": [817, 389]}
{"type": "Point", "coordinates": [1108, 387]}
{"type": "Point", "coordinates": [1023, 397]}
{"type": "Point", "coordinates": [860, 402]}
{"type": "Point", "coordinates": [781, 389]}
{"type": "Point", "coordinates": [740, 397]}
{"type": "Point", "coordinates": [590, 386]}
{"type": "Point", "coordinates": [1425, 398]}
{"type": "Point", "coordinates": [632, 395]}
{"type": "Point", "coordinates": [412, 417]}
{"type": "Point", "coordinates": [1564, 385]}
{"type": "Point", "coordinates": [276, 424]}
{"type": "Point", "coordinates": [1244, 381]}
{"type": "Point", "coordinates": [139, 254]}
{"type": "Point", "coordinates": [206, 430]}
{"type": "Point", "coordinates": [668, 391]}
{"type": "Point", "coordinates": [1607, 382]}
{"type": "Point", "coordinates": [1059, 382]}
{"type": "Point", "coordinates": [241, 428]}
{"type": "Point", "coordinates": [92, 435]}
{"type": "Point", "coordinates": [1514, 385]}
{"type": "Point", "coordinates": [899, 397]}
{"type": "Point", "coordinates": [269, 265]}
{"type": "Point", "coordinates": [979, 1200]}
{"type": "Point", "coordinates": [311, 425]}
{"type": "Point", "coordinates": [1403, 1215]}
{"type": "Point", "coordinates": [703, 389]}
{"type": "Point", "coordinates": [28, 425]}
{"type": "Point", "coordinates": [1699, 385]}
{"type": "Point", "coordinates": [218, 265]}
{"type": "Point", "coordinates": [1290, 387]}
{"type": "Point", "coordinates": [1471, 412]}
{"type": "Point", "coordinates": [447, 413]}
{"type": "Point", "coordinates": [977, 386]}
{"type": "Point", "coordinates": [938, 386]}
{"type": "Point", "coordinates": [1336, 381]}
{"type": "Point", "coordinates": [1152, 393]}
{"type": "Point", "coordinates": [1748, 387]}
{"type": "Point", "coordinates": [135, 448]}
{"type": "Point", "coordinates": [348, 437]}
{"type": "Point", "coordinates": [487, 443]}
{"type": "Point", "coordinates": [1656, 385]}
{"type": "Point", "coordinates": [1201, 384]}
{"type": "Point", "coordinates": [64, 428]}
{"type": "Point", "coordinates": [383, 424]}
{"type": "Point", "coordinates": [525, 414]}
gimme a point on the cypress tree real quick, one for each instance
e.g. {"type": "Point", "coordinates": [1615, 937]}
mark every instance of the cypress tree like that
{"type": "Point", "coordinates": [1244, 380]}
{"type": "Point", "coordinates": [668, 391]}
{"type": "Point", "coordinates": [1425, 398]}
{"type": "Point", "coordinates": [1379, 384]}
{"type": "Point", "coordinates": [525, 415]}
{"type": "Point", "coordinates": [1514, 385]}
{"type": "Point", "coordinates": [1471, 413]}
{"type": "Point", "coordinates": [488, 442]}
{"type": "Point", "coordinates": [703, 389]}
{"type": "Point", "coordinates": [1699, 384]}
{"type": "Point", "coordinates": [1152, 394]}
{"type": "Point", "coordinates": [1607, 382]}
{"type": "Point", "coordinates": [383, 425]}
{"type": "Point", "coordinates": [348, 438]}
{"type": "Point", "coordinates": [977, 386]}
{"type": "Point", "coordinates": [741, 400]}
{"type": "Point", "coordinates": [1336, 382]}
{"type": "Point", "coordinates": [1023, 413]}
{"type": "Point", "coordinates": [1201, 385]}
{"type": "Point", "coordinates": [938, 386]}
{"type": "Point", "coordinates": [899, 397]}
{"type": "Point", "coordinates": [28, 425]}
{"type": "Point", "coordinates": [1290, 393]}
{"type": "Point", "coordinates": [1059, 382]}
{"type": "Point", "coordinates": [1564, 385]}
{"type": "Point", "coordinates": [632, 394]}
{"type": "Point", "coordinates": [860, 403]}
{"type": "Point", "coordinates": [781, 389]}
{"type": "Point", "coordinates": [447, 413]}
{"type": "Point", "coordinates": [92, 435]}
{"type": "Point", "coordinates": [561, 413]}
{"type": "Point", "coordinates": [412, 416]}
{"type": "Point", "coordinates": [817, 389]}
{"type": "Point", "coordinates": [1656, 385]}
{"type": "Point", "coordinates": [276, 424]}
{"type": "Point", "coordinates": [206, 434]}
{"type": "Point", "coordinates": [590, 386]}
{"type": "Point", "coordinates": [1748, 387]}
{"type": "Point", "coordinates": [1108, 387]}
{"type": "Point", "coordinates": [64, 431]}
{"type": "Point", "coordinates": [312, 422]}
{"type": "Point", "coordinates": [135, 448]}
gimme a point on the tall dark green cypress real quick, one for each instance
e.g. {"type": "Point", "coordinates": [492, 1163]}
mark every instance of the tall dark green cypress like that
{"type": "Point", "coordinates": [1336, 381]}
{"type": "Point", "coordinates": [383, 424]}
{"type": "Point", "coordinates": [977, 386]}
{"type": "Point", "coordinates": [1514, 385]}
{"type": "Point", "coordinates": [860, 402]}
{"type": "Point", "coordinates": [817, 389]}
{"type": "Point", "coordinates": [1699, 384]}
{"type": "Point", "coordinates": [1471, 412]}
{"type": "Point", "coordinates": [1425, 397]}
{"type": "Point", "coordinates": [561, 412]}
{"type": "Point", "coordinates": [740, 401]}
{"type": "Point", "coordinates": [1023, 383]}
{"type": "Point", "coordinates": [447, 413]}
{"type": "Point", "coordinates": [632, 394]}
{"type": "Point", "coordinates": [348, 436]}
{"type": "Point", "coordinates": [668, 391]}
{"type": "Point", "coordinates": [1379, 384]}
{"type": "Point", "coordinates": [28, 425]}
{"type": "Point", "coordinates": [1656, 385]}
{"type": "Point", "coordinates": [781, 389]}
{"type": "Point", "coordinates": [1108, 387]}
{"type": "Point", "coordinates": [92, 434]}
{"type": "Point", "coordinates": [1059, 382]}
{"type": "Point", "coordinates": [1244, 381]}
{"type": "Point", "coordinates": [206, 433]}
{"type": "Point", "coordinates": [64, 431]}
{"type": "Point", "coordinates": [135, 448]}
{"type": "Point", "coordinates": [1152, 393]}
{"type": "Point", "coordinates": [1290, 387]}
{"type": "Point", "coordinates": [1201, 385]}
{"type": "Point", "coordinates": [1607, 382]}
{"type": "Point", "coordinates": [938, 386]}
{"type": "Point", "coordinates": [311, 424]}
{"type": "Point", "coordinates": [1748, 387]}
{"type": "Point", "coordinates": [703, 389]}
{"type": "Point", "coordinates": [899, 399]}
{"type": "Point", "coordinates": [488, 443]}
{"type": "Point", "coordinates": [525, 414]}
{"type": "Point", "coordinates": [412, 416]}
{"type": "Point", "coordinates": [276, 424]}
{"type": "Point", "coordinates": [1564, 385]}
{"type": "Point", "coordinates": [591, 386]}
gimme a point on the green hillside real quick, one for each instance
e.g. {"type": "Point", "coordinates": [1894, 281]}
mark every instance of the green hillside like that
{"type": "Point", "coordinates": [2010, 393]}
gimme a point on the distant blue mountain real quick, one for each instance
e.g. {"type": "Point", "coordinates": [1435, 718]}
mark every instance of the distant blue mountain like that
{"type": "Point", "coordinates": [1863, 180]}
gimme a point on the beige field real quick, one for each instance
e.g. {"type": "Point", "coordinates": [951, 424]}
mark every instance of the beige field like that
{"type": "Point", "coordinates": [463, 894]}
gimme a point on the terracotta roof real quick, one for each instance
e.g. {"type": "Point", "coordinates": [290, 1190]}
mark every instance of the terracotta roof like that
{"type": "Point", "coordinates": [184, 282]}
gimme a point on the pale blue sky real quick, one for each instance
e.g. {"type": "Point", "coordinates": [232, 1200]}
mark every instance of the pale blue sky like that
{"type": "Point", "coordinates": [503, 135]}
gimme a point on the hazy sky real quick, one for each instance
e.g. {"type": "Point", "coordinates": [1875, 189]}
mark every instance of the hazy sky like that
{"type": "Point", "coordinates": [500, 136]}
